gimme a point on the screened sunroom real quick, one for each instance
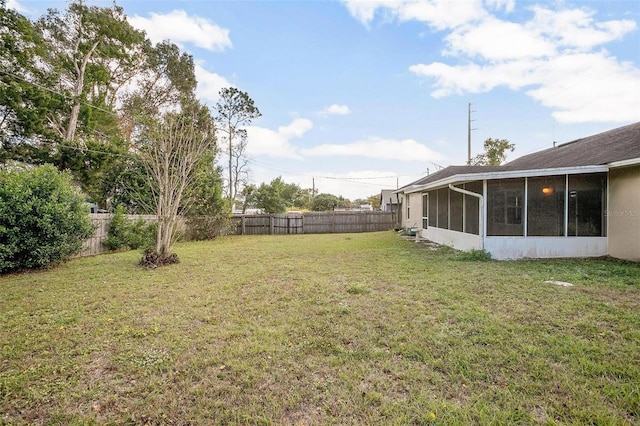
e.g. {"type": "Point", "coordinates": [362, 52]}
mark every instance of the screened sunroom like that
{"type": "Point", "coordinates": [576, 199]}
{"type": "Point", "coordinates": [528, 216]}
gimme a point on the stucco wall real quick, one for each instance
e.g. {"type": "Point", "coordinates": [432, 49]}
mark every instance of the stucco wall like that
{"type": "Point", "coordinates": [502, 248]}
{"type": "Point", "coordinates": [623, 214]}
{"type": "Point", "coordinates": [455, 239]}
{"type": "Point", "coordinates": [414, 201]}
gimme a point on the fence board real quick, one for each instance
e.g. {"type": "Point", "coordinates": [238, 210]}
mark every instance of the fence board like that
{"type": "Point", "coordinates": [314, 223]}
{"type": "Point", "coordinates": [307, 223]}
{"type": "Point", "coordinates": [100, 222]}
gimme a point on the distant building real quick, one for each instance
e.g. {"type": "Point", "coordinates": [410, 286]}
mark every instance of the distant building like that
{"type": "Point", "coordinates": [389, 200]}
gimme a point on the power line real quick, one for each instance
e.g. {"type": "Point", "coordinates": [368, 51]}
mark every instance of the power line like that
{"type": "Point", "coordinates": [250, 160]}
{"type": "Point", "coordinates": [71, 98]}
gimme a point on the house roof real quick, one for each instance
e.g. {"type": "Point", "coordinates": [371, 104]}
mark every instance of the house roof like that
{"type": "Point", "coordinates": [620, 144]}
{"type": "Point", "coordinates": [387, 194]}
{"type": "Point", "coordinates": [451, 171]}
{"type": "Point", "coordinates": [614, 145]}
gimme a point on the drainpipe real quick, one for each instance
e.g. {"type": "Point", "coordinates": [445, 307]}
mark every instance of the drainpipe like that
{"type": "Point", "coordinates": [480, 209]}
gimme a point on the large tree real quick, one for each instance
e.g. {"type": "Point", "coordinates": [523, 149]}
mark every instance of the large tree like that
{"type": "Point", "coordinates": [495, 152]}
{"type": "Point", "coordinates": [93, 52]}
{"type": "Point", "coordinates": [234, 110]}
{"type": "Point", "coordinates": [24, 99]}
{"type": "Point", "coordinates": [166, 78]}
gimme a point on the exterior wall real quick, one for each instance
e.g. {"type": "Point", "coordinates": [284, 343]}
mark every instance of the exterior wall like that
{"type": "Point", "coordinates": [623, 214]}
{"type": "Point", "coordinates": [414, 202]}
{"type": "Point", "coordinates": [503, 248]}
{"type": "Point", "coordinates": [545, 247]}
{"type": "Point", "coordinates": [455, 239]}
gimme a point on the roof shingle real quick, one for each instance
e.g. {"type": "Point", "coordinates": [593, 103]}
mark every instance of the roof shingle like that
{"type": "Point", "coordinates": [618, 144]}
{"type": "Point", "coordinates": [622, 143]}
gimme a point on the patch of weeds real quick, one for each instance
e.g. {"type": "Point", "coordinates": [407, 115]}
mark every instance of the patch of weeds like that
{"type": "Point", "coordinates": [152, 359]}
{"type": "Point", "coordinates": [475, 256]}
{"type": "Point", "coordinates": [358, 289]}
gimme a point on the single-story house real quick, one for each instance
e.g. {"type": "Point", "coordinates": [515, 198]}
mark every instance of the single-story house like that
{"type": "Point", "coordinates": [578, 199]}
{"type": "Point", "coordinates": [389, 200]}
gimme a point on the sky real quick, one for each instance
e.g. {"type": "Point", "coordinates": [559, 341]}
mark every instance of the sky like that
{"type": "Point", "coordinates": [357, 96]}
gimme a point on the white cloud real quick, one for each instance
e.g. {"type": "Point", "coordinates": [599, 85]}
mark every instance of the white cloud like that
{"type": "Point", "coordinates": [473, 78]}
{"type": "Point", "coordinates": [439, 14]}
{"type": "Point", "coordinates": [506, 5]}
{"type": "Point", "coordinates": [375, 147]}
{"type": "Point", "coordinates": [209, 84]}
{"type": "Point", "coordinates": [589, 87]}
{"type": "Point", "coordinates": [336, 109]}
{"type": "Point", "coordinates": [576, 28]}
{"type": "Point", "coordinates": [179, 27]}
{"type": "Point", "coordinates": [580, 87]}
{"type": "Point", "coordinates": [17, 6]}
{"type": "Point", "coordinates": [277, 143]}
{"type": "Point", "coordinates": [552, 57]}
{"type": "Point", "coordinates": [495, 40]}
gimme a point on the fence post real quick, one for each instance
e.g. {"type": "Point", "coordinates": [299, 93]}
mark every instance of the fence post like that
{"type": "Point", "coordinates": [271, 224]}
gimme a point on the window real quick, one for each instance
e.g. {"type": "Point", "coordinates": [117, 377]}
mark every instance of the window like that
{"type": "Point", "coordinates": [455, 210]}
{"type": "Point", "coordinates": [471, 205]}
{"type": "Point", "coordinates": [545, 206]}
{"type": "Point", "coordinates": [443, 208]}
{"type": "Point", "coordinates": [408, 204]}
{"type": "Point", "coordinates": [505, 199]}
{"type": "Point", "coordinates": [425, 211]}
{"type": "Point", "coordinates": [433, 208]}
{"type": "Point", "coordinates": [587, 201]}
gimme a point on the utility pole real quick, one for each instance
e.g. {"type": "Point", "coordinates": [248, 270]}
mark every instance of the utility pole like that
{"type": "Point", "coordinates": [469, 129]}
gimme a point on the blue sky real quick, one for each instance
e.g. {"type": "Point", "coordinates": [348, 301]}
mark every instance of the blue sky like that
{"type": "Point", "coordinates": [365, 95]}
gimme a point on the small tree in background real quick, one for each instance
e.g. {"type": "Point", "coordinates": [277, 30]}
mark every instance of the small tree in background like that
{"type": "Point", "coordinates": [235, 110]}
{"type": "Point", "coordinates": [494, 153]}
{"type": "Point", "coordinates": [43, 219]}
{"type": "Point", "coordinates": [278, 196]}
{"type": "Point", "coordinates": [170, 150]}
{"type": "Point", "coordinates": [209, 212]}
{"type": "Point", "coordinates": [324, 202]}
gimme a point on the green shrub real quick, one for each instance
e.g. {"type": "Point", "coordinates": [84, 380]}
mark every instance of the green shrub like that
{"type": "Point", "coordinates": [201, 228]}
{"type": "Point", "coordinates": [117, 233]}
{"type": "Point", "coordinates": [475, 256]}
{"type": "Point", "coordinates": [141, 234]}
{"type": "Point", "coordinates": [126, 234]}
{"type": "Point", "coordinates": [43, 220]}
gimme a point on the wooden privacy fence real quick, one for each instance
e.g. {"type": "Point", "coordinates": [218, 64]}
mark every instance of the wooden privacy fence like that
{"type": "Point", "coordinates": [100, 222]}
{"type": "Point", "coordinates": [298, 223]}
{"type": "Point", "coordinates": [314, 223]}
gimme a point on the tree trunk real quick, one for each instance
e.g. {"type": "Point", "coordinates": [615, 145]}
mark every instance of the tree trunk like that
{"type": "Point", "coordinates": [70, 134]}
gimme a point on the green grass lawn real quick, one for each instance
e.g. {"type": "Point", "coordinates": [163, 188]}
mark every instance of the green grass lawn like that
{"type": "Point", "coordinates": [321, 329]}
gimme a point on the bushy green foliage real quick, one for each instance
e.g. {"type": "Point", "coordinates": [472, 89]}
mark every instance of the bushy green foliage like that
{"type": "Point", "coordinates": [124, 233]}
{"type": "Point", "coordinates": [475, 256]}
{"type": "Point", "coordinates": [209, 211]}
{"type": "Point", "coordinates": [43, 220]}
{"type": "Point", "coordinates": [117, 230]}
{"type": "Point", "coordinates": [324, 202]}
{"type": "Point", "coordinates": [141, 234]}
